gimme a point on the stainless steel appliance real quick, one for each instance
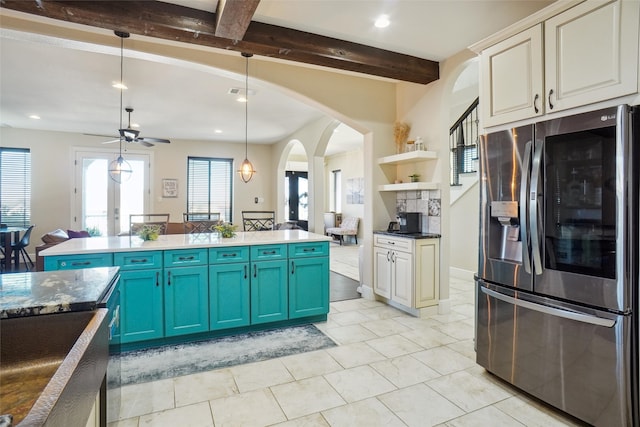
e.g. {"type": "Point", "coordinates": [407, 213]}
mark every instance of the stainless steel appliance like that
{"type": "Point", "coordinates": [557, 283]}
{"type": "Point", "coordinates": [409, 222]}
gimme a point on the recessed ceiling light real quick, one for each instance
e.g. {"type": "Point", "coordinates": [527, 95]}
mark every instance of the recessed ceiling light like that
{"type": "Point", "coordinates": [135, 125]}
{"type": "Point", "coordinates": [218, 131]}
{"type": "Point", "coordinates": [34, 117]}
{"type": "Point", "coordinates": [241, 99]}
{"type": "Point", "coordinates": [119, 85]}
{"type": "Point", "coordinates": [382, 21]}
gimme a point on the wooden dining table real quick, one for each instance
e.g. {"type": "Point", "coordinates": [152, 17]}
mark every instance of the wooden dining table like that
{"type": "Point", "coordinates": [9, 235]}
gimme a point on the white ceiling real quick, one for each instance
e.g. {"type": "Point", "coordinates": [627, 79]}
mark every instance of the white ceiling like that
{"type": "Point", "coordinates": [68, 84]}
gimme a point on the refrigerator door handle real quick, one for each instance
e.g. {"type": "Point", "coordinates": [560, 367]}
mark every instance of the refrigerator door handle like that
{"type": "Point", "coordinates": [566, 314]}
{"type": "Point", "coordinates": [533, 209]}
{"type": "Point", "coordinates": [524, 190]}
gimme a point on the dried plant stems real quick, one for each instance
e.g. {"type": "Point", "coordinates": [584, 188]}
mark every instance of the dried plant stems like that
{"type": "Point", "coordinates": [400, 134]}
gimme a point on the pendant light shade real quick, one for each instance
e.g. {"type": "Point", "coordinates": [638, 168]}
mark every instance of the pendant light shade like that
{"type": "Point", "coordinates": [119, 169]}
{"type": "Point", "coordinates": [246, 170]}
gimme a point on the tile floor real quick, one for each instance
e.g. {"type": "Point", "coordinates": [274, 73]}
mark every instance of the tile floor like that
{"type": "Point", "coordinates": [390, 369]}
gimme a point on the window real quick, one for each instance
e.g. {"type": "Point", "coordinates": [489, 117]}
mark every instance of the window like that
{"type": "Point", "coordinates": [15, 186]}
{"type": "Point", "coordinates": [335, 203]}
{"type": "Point", "coordinates": [210, 186]}
{"type": "Point", "coordinates": [463, 138]}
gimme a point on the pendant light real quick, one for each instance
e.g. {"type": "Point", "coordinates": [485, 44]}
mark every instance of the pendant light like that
{"type": "Point", "coordinates": [246, 170]}
{"type": "Point", "coordinates": [119, 169]}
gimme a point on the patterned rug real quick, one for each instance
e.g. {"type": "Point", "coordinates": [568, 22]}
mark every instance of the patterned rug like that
{"type": "Point", "coordinates": [183, 359]}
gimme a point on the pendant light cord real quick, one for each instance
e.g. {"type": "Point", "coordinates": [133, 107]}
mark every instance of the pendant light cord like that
{"type": "Point", "coordinates": [121, 84]}
{"type": "Point", "coordinates": [246, 108]}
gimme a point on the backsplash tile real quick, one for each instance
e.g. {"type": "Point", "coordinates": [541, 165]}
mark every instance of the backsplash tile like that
{"type": "Point", "coordinates": [427, 202]}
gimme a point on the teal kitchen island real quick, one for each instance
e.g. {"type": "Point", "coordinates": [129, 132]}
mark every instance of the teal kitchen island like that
{"type": "Point", "coordinates": [187, 287]}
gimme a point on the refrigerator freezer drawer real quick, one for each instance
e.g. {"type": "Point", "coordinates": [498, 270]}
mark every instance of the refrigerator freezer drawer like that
{"type": "Point", "coordinates": [579, 363]}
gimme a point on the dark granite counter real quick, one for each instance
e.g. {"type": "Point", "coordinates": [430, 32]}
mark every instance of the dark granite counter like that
{"type": "Point", "coordinates": [46, 292]}
{"type": "Point", "coordinates": [408, 235]}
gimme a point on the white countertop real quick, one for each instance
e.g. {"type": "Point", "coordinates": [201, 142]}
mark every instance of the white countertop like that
{"type": "Point", "coordinates": [180, 241]}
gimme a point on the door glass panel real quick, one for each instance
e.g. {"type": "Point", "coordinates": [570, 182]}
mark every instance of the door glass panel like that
{"type": "Point", "coordinates": [581, 202]}
{"type": "Point", "coordinates": [94, 203]}
{"type": "Point", "coordinates": [132, 194]}
{"type": "Point", "coordinates": [303, 199]}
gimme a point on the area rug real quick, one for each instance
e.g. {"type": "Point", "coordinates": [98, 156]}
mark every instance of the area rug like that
{"type": "Point", "coordinates": [183, 359]}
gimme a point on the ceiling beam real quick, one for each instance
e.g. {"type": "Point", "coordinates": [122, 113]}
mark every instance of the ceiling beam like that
{"type": "Point", "coordinates": [178, 23]}
{"type": "Point", "coordinates": [233, 17]}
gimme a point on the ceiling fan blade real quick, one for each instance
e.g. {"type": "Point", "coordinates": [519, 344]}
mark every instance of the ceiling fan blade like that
{"type": "Point", "coordinates": [100, 135]}
{"type": "Point", "coordinates": [143, 142]}
{"type": "Point", "coordinates": [112, 141]}
{"type": "Point", "coordinates": [158, 140]}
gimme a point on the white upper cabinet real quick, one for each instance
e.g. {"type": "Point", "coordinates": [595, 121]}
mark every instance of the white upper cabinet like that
{"type": "Point", "coordinates": [583, 55]}
{"type": "Point", "coordinates": [512, 73]}
{"type": "Point", "coordinates": [591, 54]}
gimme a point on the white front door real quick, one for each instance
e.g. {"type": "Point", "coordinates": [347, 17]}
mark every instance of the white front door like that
{"type": "Point", "coordinates": [103, 206]}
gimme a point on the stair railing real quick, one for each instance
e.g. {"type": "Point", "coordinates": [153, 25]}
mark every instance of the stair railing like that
{"type": "Point", "coordinates": [463, 143]}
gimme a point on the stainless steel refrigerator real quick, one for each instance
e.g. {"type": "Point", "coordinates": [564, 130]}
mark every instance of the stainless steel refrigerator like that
{"type": "Point", "coordinates": [557, 283]}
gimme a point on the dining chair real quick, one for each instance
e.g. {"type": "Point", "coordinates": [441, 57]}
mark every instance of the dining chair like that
{"type": "Point", "coordinates": [137, 221]}
{"type": "Point", "coordinates": [200, 222]}
{"type": "Point", "coordinates": [21, 246]}
{"type": "Point", "coordinates": [258, 220]}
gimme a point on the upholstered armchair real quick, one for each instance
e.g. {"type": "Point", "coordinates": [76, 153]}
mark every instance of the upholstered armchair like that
{"type": "Point", "coordinates": [348, 227]}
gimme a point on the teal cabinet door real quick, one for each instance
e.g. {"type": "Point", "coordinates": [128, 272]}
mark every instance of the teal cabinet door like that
{"type": "Point", "coordinates": [269, 291]}
{"type": "Point", "coordinates": [141, 305]}
{"type": "Point", "coordinates": [228, 295]}
{"type": "Point", "coordinates": [186, 300]}
{"type": "Point", "coordinates": [308, 287]}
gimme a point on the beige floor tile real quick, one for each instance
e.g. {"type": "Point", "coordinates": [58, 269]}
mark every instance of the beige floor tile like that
{"type": "Point", "coordinates": [467, 391]}
{"type": "Point", "coordinates": [129, 422]}
{"type": "Point", "coordinates": [404, 371]}
{"type": "Point", "coordinates": [349, 305]}
{"type": "Point", "coordinates": [444, 360]}
{"type": "Point", "coordinates": [350, 334]}
{"type": "Point", "coordinates": [417, 322]}
{"type": "Point", "coordinates": [394, 345]}
{"type": "Point", "coordinates": [313, 420]}
{"type": "Point", "coordinates": [145, 398]}
{"type": "Point", "coordinates": [355, 355]}
{"type": "Point", "coordinates": [310, 364]}
{"type": "Point", "coordinates": [489, 416]}
{"type": "Point", "coordinates": [369, 412]}
{"type": "Point", "coordinates": [347, 318]}
{"type": "Point", "coordinates": [533, 414]}
{"type": "Point", "coordinates": [449, 317]}
{"type": "Point", "coordinates": [420, 406]}
{"type": "Point", "coordinates": [204, 386]}
{"type": "Point", "coordinates": [306, 397]}
{"type": "Point", "coordinates": [467, 310]}
{"type": "Point", "coordinates": [258, 375]}
{"type": "Point", "coordinates": [428, 338]}
{"type": "Point", "coordinates": [198, 415]}
{"type": "Point", "coordinates": [359, 383]}
{"type": "Point", "coordinates": [383, 312]}
{"type": "Point", "coordinates": [465, 348]}
{"type": "Point", "coordinates": [459, 330]}
{"type": "Point", "coordinates": [256, 408]}
{"type": "Point", "coordinates": [385, 327]}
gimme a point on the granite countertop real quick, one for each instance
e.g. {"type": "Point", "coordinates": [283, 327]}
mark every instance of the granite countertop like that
{"type": "Point", "coordinates": [180, 241]}
{"type": "Point", "coordinates": [409, 235]}
{"type": "Point", "coordinates": [46, 292]}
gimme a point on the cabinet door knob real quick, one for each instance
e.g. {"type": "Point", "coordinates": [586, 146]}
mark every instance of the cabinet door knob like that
{"type": "Point", "coordinates": [549, 99]}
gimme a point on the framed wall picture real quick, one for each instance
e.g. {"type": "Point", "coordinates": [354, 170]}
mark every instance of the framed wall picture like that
{"type": "Point", "coordinates": [169, 187]}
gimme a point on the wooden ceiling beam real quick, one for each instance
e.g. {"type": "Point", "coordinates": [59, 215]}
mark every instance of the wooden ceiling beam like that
{"type": "Point", "coordinates": [233, 17]}
{"type": "Point", "coordinates": [178, 23]}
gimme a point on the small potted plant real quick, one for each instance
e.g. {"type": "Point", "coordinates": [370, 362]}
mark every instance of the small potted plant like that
{"type": "Point", "coordinates": [226, 230]}
{"type": "Point", "coordinates": [414, 177]}
{"type": "Point", "coordinates": [149, 232]}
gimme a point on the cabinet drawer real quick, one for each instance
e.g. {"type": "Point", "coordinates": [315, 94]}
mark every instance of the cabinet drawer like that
{"type": "Point", "coordinates": [70, 262]}
{"type": "Point", "coordinates": [391, 242]}
{"type": "Point", "coordinates": [304, 250]}
{"type": "Point", "coordinates": [138, 260]}
{"type": "Point", "coordinates": [184, 257]}
{"type": "Point", "coordinates": [266, 252]}
{"type": "Point", "coordinates": [228, 254]}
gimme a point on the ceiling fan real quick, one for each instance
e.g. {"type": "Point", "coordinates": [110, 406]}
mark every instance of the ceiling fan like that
{"type": "Point", "coordinates": [129, 134]}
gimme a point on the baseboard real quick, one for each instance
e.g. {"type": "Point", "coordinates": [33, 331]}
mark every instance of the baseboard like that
{"type": "Point", "coordinates": [461, 274]}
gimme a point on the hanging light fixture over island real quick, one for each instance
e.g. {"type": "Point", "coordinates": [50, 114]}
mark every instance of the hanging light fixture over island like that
{"type": "Point", "coordinates": [246, 170]}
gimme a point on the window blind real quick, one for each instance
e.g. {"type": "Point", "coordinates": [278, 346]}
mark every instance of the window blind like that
{"type": "Point", "coordinates": [210, 186]}
{"type": "Point", "coordinates": [15, 186]}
